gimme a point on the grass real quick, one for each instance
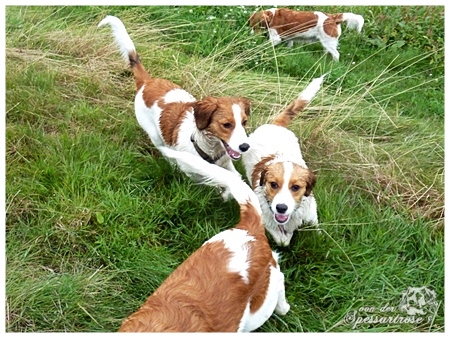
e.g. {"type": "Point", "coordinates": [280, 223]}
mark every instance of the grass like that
{"type": "Point", "coordinates": [96, 219]}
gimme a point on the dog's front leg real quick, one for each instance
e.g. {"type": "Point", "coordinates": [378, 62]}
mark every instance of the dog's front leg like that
{"type": "Point", "coordinates": [274, 37]}
{"type": "Point", "coordinates": [229, 166]}
{"type": "Point", "coordinates": [226, 195]}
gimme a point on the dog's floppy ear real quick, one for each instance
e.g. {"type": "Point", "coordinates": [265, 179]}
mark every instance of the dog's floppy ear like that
{"type": "Point", "coordinates": [310, 183]}
{"type": "Point", "coordinates": [246, 104]}
{"type": "Point", "coordinates": [255, 18]}
{"type": "Point", "coordinates": [266, 18]}
{"type": "Point", "coordinates": [203, 111]}
{"type": "Point", "coordinates": [262, 178]}
{"type": "Point", "coordinates": [260, 171]}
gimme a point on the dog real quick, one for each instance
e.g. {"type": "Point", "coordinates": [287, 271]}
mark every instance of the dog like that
{"type": "Point", "coordinates": [278, 174]}
{"type": "Point", "coordinates": [232, 283]}
{"type": "Point", "coordinates": [212, 128]}
{"type": "Point", "coordinates": [290, 25]}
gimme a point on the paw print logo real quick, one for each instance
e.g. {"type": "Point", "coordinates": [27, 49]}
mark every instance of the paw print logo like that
{"type": "Point", "coordinates": [418, 301]}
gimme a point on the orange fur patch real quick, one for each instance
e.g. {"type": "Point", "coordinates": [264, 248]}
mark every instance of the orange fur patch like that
{"type": "Point", "coordinates": [288, 22]}
{"type": "Point", "coordinates": [171, 119]}
{"type": "Point", "coordinates": [330, 25]}
{"type": "Point", "coordinates": [290, 112]}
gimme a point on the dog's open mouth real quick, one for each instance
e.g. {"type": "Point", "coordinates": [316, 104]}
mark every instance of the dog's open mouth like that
{"type": "Point", "coordinates": [281, 219]}
{"type": "Point", "coordinates": [233, 154]}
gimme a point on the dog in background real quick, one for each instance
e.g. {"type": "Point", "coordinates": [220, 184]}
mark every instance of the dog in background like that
{"type": "Point", "coordinates": [212, 128]}
{"type": "Point", "coordinates": [285, 24]}
{"type": "Point", "coordinates": [278, 174]}
{"type": "Point", "coordinates": [231, 283]}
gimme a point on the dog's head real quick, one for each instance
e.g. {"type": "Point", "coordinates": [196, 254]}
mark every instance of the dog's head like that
{"type": "Point", "coordinates": [224, 118]}
{"type": "Point", "coordinates": [284, 183]}
{"type": "Point", "coordinates": [261, 20]}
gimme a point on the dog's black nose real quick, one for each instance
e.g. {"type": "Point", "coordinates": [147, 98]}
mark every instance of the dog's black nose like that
{"type": "Point", "coordinates": [281, 208]}
{"type": "Point", "coordinates": [244, 147]}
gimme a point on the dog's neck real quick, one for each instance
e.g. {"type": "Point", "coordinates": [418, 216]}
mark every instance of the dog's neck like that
{"type": "Point", "coordinates": [208, 147]}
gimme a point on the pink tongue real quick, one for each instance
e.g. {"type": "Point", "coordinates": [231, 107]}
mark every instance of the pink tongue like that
{"type": "Point", "coordinates": [281, 218]}
{"type": "Point", "coordinates": [233, 154]}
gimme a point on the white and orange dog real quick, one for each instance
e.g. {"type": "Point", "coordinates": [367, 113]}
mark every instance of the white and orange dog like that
{"type": "Point", "coordinates": [231, 283]}
{"type": "Point", "coordinates": [212, 128]}
{"type": "Point", "coordinates": [291, 25]}
{"type": "Point", "coordinates": [279, 175]}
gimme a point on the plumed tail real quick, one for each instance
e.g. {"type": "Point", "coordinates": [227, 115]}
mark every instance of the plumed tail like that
{"type": "Point", "coordinates": [127, 48]}
{"type": "Point", "coordinates": [213, 175]}
{"type": "Point", "coordinates": [121, 37]}
{"type": "Point", "coordinates": [299, 104]}
{"type": "Point", "coordinates": [354, 21]}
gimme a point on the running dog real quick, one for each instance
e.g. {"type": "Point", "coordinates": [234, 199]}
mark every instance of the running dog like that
{"type": "Point", "coordinates": [212, 128]}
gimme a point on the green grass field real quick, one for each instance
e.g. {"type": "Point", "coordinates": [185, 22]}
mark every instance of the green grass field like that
{"type": "Point", "coordinates": [96, 219]}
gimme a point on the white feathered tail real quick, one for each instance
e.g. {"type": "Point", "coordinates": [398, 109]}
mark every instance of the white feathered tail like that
{"type": "Point", "coordinates": [121, 37]}
{"type": "Point", "coordinates": [354, 21]}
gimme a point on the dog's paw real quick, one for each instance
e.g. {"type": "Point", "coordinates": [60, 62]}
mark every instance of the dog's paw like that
{"type": "Point", "coordinates": [282, 309]}
{"type": "Point", "coordinates": [226, 195]}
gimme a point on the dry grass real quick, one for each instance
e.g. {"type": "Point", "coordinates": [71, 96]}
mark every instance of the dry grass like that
{"type": "Point", "coordinates": [74, 151]}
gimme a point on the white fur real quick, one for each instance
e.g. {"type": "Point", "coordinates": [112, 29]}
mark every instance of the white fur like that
{"type": "Point", "coordinates": [317, 33]}
{"type": "Point", "coordinates": [178, 95]}
{"type": "Point", "coordinates": [268, 140]}
{"type": "Point", "coordinates": [239, 135]}
{"type": "Point", "coordinates": [284, 196]}
{"type": "Point", "coordinates": [275, 301]}
{"type": "Point", "coordinates": [312, 89]}
{"type": "Point", "coordinates": [236, 240]}
{"type": "Point", "coordinates": [354, 21]}
{"type": "Point", "coordinates": [121, 37]}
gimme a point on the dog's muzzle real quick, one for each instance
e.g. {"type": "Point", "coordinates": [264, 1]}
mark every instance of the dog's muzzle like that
{"type": "Point", "coordinates": [234, 154]}
{"type": "Point", "coordinates": [280, 216]}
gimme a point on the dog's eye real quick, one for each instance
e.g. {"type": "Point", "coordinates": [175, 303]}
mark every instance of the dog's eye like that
{"type": "Point", "coordinates": [227, 125]}
{"type": "Point", "coordinates": [274, 185]}
{"type": "Point", "coordinates": [295, 188]}
{"type": "Point", "coordinates": [244, 123]}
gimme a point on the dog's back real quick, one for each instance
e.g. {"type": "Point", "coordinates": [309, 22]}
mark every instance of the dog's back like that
{"type": "Point", "coordinates": [231, 283]}
{"type": "Point", "coordinates": [207, 292]}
